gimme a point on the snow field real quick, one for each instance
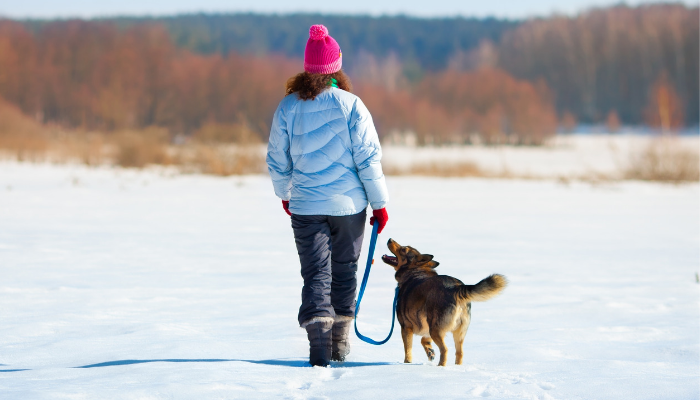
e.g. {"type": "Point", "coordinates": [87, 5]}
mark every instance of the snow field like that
{"type": "Point", "coordinates": [186, 286]}
{"type": "Point", "coordinates": [564, 156]}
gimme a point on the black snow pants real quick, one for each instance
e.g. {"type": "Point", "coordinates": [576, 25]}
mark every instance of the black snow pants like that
{"type": "Point", "coordinates": [328, 249]}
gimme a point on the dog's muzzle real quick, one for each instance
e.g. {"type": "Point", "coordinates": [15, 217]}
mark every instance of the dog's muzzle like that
{"type": "Point", "coordinates": [393, 261]}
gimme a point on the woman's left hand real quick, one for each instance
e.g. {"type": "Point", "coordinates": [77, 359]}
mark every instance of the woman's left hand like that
{"type": "Point", "coordinates": [285, 205]}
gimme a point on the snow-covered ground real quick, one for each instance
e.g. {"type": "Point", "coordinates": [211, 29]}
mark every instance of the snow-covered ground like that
{"type": "Point", "coordinates": [568, 156]}
{"type": "Point", "coordinates": [120, 284]}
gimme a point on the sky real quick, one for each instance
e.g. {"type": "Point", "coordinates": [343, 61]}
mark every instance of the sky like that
{"type": "Point", "coordinates": [515, 9]}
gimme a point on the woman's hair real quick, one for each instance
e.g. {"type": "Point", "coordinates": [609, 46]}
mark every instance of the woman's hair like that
{"type": "Point", "coordinates": [308, 86]}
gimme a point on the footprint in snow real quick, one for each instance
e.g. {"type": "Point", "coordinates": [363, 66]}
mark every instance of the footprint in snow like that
{"type": "Point", "coordinates": [331, 374]}
{"type": "Point", "coordinates": [481, 391]}
{"type": "Point", "coordinates": [338, 373]}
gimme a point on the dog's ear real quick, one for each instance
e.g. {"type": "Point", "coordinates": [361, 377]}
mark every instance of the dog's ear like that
{"type": "Point", "coordinates": [427, 261]}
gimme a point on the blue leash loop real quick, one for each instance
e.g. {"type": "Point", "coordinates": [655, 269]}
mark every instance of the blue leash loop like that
{"type": "Point", "coordinates": [370, 257]}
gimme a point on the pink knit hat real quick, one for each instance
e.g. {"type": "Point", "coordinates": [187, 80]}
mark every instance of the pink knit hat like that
{"type": "Point", "coordinates": [322, 55]}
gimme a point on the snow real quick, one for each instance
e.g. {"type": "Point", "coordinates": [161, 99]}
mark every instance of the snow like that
{"type": "Point", "coordinates": [163, 285]}
{"type": "Point", "coordinates": [567, 156]}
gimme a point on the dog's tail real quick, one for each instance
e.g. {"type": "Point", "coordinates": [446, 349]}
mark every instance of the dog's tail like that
{"type": "Point", "coordinates": [484, 290]}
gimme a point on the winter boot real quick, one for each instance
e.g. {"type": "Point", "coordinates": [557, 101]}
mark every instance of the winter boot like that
{"type": "Point", "coordinates": [319, 331]}
{"type": "Point", "coordinates": [341, 337]}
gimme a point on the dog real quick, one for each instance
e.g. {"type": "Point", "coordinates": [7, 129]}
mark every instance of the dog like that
{"type": "Point", "coordinates": [431, 305]}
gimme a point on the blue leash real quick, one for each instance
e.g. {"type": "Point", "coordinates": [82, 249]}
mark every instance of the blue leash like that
{"type": "Point", "coordinates": [370, 256]}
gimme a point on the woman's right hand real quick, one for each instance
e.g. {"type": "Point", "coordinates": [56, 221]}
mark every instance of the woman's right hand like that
{"type": "Point", "coordinates": [285, 205]}
{"type": "Point", "coordinates": [381, 217]}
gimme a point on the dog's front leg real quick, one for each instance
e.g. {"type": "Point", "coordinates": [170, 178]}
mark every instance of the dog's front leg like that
{"type": "Point", "coordinates": [407, 336]}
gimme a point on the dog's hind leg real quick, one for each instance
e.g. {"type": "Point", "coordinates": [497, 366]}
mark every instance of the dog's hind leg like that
{"type": "Point", "coordinates": [407, 336]}
{"type": "Point", "coordinates": [439, 339]}
{"type": "Point", "coordinates": [458, 336]}
{"type": "Point", "coordinates": [427, 345]}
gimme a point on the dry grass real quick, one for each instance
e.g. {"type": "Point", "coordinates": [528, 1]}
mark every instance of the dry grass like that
{"type": "Point", "coordinates": [20, 135]}
{"type": "Point", "coordinates": [140, 148]}
{"type": "Point", "coordinates": [226, 133]}
{"type": "Point", "coordinates": [235, 149]}
{"type": "Point", "coordinates": [462, 169]}
{"type": "Point", "coordinates": [221, 160]}
{"type": "Point", "coordinates": [133, 148]}
{"type": "Point", "coordinates": [664, 160]}
{"type": "Point", "coordinates": [87, 148]}
{"type": "Point", "coordinates": [214, 149]}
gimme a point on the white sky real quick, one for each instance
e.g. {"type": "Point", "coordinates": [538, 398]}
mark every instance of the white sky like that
{"type": "Point", "coordinates": [424, 8]}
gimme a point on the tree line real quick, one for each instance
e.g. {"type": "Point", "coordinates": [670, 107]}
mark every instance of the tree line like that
{"type": "Point", "coordinates": [601, 63]}
{"type": "Point", "coordinates": [611, 60]}
{"type": "Point", "coordinates": [447, 80]}
{"type": "Point", "coordinates": [95, 75]}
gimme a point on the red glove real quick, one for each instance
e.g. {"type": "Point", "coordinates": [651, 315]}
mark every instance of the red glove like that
{"type": "Point", "coordinates": [381, 217]}
{"type": "Point", "coordinates": [285, 204]}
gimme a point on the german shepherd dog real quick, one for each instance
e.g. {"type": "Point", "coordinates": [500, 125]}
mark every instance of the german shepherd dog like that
{"type": "Point", "coordinates": [430, 305]}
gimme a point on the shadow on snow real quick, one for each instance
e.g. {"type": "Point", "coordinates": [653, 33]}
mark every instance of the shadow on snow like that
{"type": "Point", "coordinates": [283, 363]}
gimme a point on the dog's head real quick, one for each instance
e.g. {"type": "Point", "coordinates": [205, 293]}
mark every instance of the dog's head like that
{"type": "Point", "coordinates": [407, 256]}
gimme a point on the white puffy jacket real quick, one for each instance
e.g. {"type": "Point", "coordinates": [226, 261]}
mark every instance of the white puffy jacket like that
{"type": "Point", "coordinates": [324, 155]}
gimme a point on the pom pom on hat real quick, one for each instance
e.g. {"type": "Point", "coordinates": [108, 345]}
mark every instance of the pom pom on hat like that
{"type": "Point", "coordinates": [318, 32]}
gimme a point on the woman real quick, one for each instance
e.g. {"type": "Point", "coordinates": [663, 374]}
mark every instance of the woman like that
{"type": "Point", "coordinates": [324, 160]}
